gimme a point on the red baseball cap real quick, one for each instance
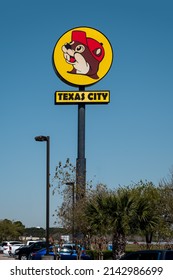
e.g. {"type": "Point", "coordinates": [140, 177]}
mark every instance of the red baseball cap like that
{"type": "Point", "coordinates": [93, 45]}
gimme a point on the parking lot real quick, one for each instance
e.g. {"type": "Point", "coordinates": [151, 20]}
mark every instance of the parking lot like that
{"type": "Point", "coordinates": [2, 257]}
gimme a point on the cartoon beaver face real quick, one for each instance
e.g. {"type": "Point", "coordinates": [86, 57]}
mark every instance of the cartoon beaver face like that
{"type": "Point", "coordinates": [84, 54]}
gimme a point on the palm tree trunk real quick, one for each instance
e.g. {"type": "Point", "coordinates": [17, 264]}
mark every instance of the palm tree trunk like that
{"type": "Point", "coordinates": [148, 237]}
{"type": "Point", "coordinates": [118, 245]}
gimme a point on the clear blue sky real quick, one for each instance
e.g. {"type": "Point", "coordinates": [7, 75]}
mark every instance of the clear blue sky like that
{"type": "Point", "coordinates": [128, 140]}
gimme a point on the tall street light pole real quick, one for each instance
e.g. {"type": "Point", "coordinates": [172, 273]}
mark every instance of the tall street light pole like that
{"type": "Point", "coordinates": [47, 140]}
{"type": "Point", "coordinates": [73, 203]}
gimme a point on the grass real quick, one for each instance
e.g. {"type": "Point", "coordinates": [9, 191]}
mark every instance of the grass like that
{"type": "Point", "coordinates": [157, 246]}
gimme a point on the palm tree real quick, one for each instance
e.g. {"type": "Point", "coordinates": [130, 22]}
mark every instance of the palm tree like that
{"type": "Point", "coordinates": [112, 212]}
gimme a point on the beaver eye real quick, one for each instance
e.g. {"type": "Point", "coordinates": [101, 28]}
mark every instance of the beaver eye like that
{"type": "Point", "coordinates": [80, 48]}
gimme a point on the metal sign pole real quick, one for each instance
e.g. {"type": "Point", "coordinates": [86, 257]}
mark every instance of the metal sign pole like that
{"type": "Point", "coordinates": [81, 160]}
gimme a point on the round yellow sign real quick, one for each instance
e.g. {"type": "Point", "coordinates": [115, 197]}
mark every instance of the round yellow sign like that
{"type": "Point", "coordinates": [82, 56]}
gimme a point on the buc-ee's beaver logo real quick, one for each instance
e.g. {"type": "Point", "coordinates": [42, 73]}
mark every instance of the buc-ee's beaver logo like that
{"type": "Point", "coordinates": [82, 56]}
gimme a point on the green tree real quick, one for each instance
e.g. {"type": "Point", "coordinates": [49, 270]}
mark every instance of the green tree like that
{"type": "Point", "coordinates": [147, 218]}
{"type": "Point", "coordinates": [10, 229]}
{"type": "Point", "coordinates": [166, 207]}
{"type": "Point", "coordinates": [18, 229]}
{"type": "Point", "coordinates": [34, 232]}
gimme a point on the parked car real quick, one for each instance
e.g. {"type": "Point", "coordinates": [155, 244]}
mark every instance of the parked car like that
{"type": "Point", "coordinates": [29, 242]}
{"type": "Point", "coordinates": [149, 255]}
{"type": "Point", "coordinates": [14, 247]}
{"type": "Point", "coordinates": [1, 248]}
{"type": "Point", "coordinates": [109, 247]}
{"type": "Point", "coordinates": [38, 255]}
{"type": "Point", "coordinates": [76, 248]}
{"type": "Point", "coordinates": [65, 253]}
{"type": "Point", "coordinates": [24, 252]}
{"type": "Point", "coordinates": [69, 246]}
{"type": "Point", "coordinates": [7, 246]}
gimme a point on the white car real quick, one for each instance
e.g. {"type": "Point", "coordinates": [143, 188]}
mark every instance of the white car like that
{"type": "Point", "coordinates": [14, 247]}
{"type": "Point", "coordinates": [7, 246]}
{"type": "Point", "coordinates": [29, 242]}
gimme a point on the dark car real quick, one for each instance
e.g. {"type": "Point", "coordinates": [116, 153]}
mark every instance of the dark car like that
{"type": "Point", "coordinates": [149, 255]}
{"type": "Point", "coordinates": [65, 253]}
{"type": "Point", "coordinates": [1, 248]}
{"type": "Point", "coordinates": [24, 252]}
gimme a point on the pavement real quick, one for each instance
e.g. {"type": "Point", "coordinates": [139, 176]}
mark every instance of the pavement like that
{"type": "Point", "coordinates": [4, 257]}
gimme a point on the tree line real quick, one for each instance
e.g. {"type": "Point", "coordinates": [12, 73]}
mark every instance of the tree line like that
{"type": "Point", "coordinates": [14, 230]}
{"type": "Point", "coordinates": [139, 209]}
